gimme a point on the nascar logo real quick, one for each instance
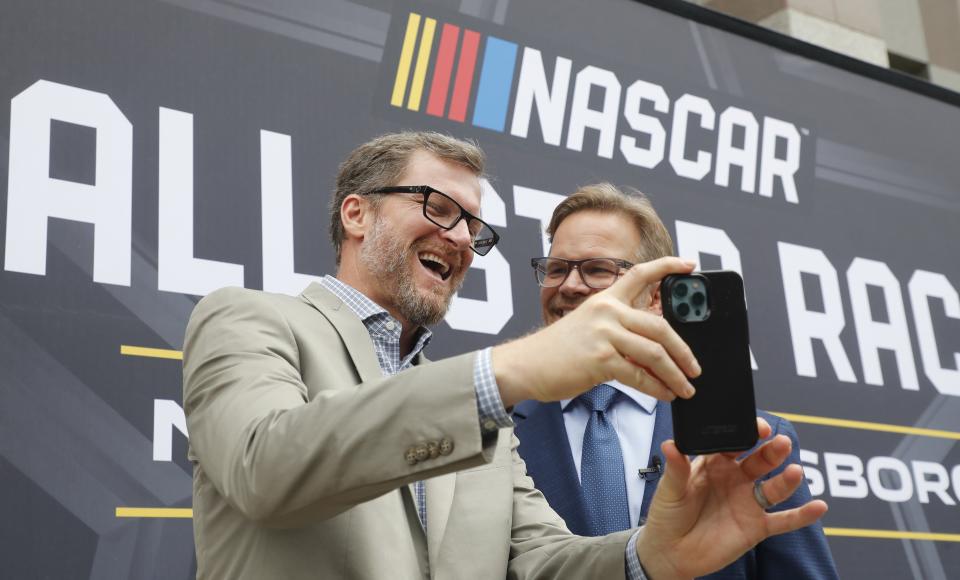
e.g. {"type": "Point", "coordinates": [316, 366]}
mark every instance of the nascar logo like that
{"type": "Point", "coordinates": [496, 73]}
{"type": "Point", "coordinates": [756, 153]}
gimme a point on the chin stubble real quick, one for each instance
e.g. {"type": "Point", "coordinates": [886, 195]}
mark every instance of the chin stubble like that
{"type": "Point", "coordinates": [386, 257]}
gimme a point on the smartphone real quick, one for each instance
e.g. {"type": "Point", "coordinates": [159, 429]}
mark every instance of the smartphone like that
{"type": "Point", "coordinates": [709, 312]}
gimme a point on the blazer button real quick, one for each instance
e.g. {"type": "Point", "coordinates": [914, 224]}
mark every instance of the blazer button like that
{"type": "Point", "coordinates": [411, 456]}
{"type": "Point", "coordinates": [446, 446]}
{"type": "Point", "coordinates": [434, 448]}
{"type": "Point", "coordinates": [422, 453]}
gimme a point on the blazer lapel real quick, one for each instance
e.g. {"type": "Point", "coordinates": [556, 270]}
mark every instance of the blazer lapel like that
{"type": "Point", "coordinates": [662, 430]}
{"type": "Point", "coordinates": [351, 329]}
{"type": "Point", "coordinates": [545, 449]}
{"type": "Point", "coordinates": [357, 341]}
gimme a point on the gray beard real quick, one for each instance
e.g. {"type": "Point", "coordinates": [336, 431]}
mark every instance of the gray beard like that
{"type": "Point", "coordinates": [385, 257]}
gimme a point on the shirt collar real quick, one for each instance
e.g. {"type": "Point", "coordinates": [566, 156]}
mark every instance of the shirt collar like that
{"type": "Point", "coordinates": [643, 400]}
{"type": "Point", "coordinates": [368, 311]}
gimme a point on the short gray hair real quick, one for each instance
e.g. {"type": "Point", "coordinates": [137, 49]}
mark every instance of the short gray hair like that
{"type": "Point", "coordinates": [382, 160]}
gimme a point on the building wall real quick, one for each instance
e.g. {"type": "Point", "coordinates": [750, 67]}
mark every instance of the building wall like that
{"type": "Point", "coordinates": [917, 37]}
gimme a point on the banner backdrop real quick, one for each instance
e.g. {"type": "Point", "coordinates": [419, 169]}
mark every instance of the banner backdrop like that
{"type": "Point", "coordinates": [159, 149]}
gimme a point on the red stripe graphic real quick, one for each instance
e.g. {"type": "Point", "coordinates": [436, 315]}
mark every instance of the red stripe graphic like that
{"type": "Point", "coordinates": [441, 74]}
{"type": "Point", "coordinates": [461, 88]}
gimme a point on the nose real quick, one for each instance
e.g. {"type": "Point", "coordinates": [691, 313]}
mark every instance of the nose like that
{"type": "Point", "coordinates": [459, 235]}
{"type": "Point", "coordinates": [574, 283]}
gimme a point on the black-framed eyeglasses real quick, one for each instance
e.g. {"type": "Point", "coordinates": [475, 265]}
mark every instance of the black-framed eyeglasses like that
{"type": "Point", "coordinates": [597, 273]}
{"type": "Point", "coordinates": [443, 211]}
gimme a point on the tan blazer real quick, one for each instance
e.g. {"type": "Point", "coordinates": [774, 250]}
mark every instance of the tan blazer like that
{"type": "Point", "coordinates": [300, 449]}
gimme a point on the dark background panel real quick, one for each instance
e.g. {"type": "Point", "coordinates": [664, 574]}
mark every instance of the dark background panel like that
{"type": "Point", "coordinates": [878, 181]}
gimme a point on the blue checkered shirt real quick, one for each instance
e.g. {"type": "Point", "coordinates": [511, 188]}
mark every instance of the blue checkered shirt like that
{"type": "Point", "coordinates": [384, 331]}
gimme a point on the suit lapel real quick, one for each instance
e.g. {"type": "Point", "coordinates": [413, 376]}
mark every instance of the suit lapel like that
{"type": "Point", "coordinates": [546, 451]}
{"type": "Point", "coordinates": [662, 430]}
{"type": "Point", "coordinates": [351, 329]}
{"type": "Point", "coordinates": [356, 339]}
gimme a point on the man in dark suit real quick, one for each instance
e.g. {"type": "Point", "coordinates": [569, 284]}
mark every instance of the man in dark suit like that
{"type": "Point", "coordinates": [597, 457]}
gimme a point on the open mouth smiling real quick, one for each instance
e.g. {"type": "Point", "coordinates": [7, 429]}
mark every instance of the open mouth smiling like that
{"type": "Point", "coordinates": [435, 264]}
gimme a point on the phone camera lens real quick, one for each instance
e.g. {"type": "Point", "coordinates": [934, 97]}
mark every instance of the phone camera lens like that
{"type": "Point", "coordinates": [683, 309]}
{"type": "Point", "coordinates": [680, 290]}
{"type": "Point", "coordinates": [697, 299]}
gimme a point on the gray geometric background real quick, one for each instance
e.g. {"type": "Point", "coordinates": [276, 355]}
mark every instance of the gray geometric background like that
{"type": "Point", "coordinates": [76, 417]}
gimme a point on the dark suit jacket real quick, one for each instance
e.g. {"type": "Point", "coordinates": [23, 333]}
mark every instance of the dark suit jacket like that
{"type": "Point", "coordinates": [544, 446]}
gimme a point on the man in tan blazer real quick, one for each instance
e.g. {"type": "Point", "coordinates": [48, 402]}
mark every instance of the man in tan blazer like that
{"type": "Point", "coordinates": [325, 446]}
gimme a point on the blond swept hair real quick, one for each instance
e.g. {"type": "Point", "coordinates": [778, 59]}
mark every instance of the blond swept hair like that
{"type": "Point", "coordinates": [381, 161]}
{"type": "Point", "coordinates": [655, 241]}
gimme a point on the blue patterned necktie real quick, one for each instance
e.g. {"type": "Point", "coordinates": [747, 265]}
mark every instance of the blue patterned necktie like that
{"type": "Point", "coordinates": [601, 467]}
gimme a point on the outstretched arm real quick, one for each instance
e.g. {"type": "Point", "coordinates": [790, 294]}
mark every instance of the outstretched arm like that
{"type": "Point", "coordinates": [607, 337]}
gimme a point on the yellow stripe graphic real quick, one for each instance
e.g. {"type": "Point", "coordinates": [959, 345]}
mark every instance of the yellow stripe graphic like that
{"type": "Point", "coordinates": [808, 419]}
{"type": "Point", "coordinates": [869, 426]}
{"type": "Point", "coordinates": [185, 513]}
{"type": "Point", "coordinates": [423, 58]}
{"type": "Point", "coordinates": [406, 57]}
{"type": "Point", "coordinates": [166, 353]}
{"type": "Point", "coordinates": [150, 352]}
{"type": "Point", "coordinates": [890, 534]}
{"type": "Point", "coordinates": [140, 512]}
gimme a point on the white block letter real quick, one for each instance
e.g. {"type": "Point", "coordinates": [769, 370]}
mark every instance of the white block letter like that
{"type": "Point", "coordinates": [938, 482]}
{"type": "Point", "coordinates": [923, 286]}
{"type": "Point", "coordinates": [582, 116]}
{"type": "Point", "coordinates": [728, 154]}
{"type": "Point", "coordinates": [33, 196]}
{"type": "Point", "coordinates": [807, 325]}
{"type": "Point", "coordinates": [490, 316]}
{"type": "Point", "coordinates": [276, 192]}
{"type": "Point", "coordinates": [551, 101]}
{"type": "Point", "coordinates": [955, 478]}
{"type": "Point", "coordinates": [877, 464]}
{"type": "Point", "coordinates": [651, 156]}
{"type": "Point", "coordinates": [697, 168]}
{"type": "Point", "coordinates": [771, 166]}
{"type": "Point", "coordinates": [873, 335]}
{"type": "Point", "coordinates": [813, 475]}
{"type": "Point", "coordinates": [177, 269]}
{"type": "Point", "coordinates": [845, 475]}
{"type": "Point", "coordinates": [539, 205]}
{"type": "Point", "coordinates": [167, 415]}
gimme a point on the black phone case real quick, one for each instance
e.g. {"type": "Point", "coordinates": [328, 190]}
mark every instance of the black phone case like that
{"type": "Point", "coordinates": [721, 416]}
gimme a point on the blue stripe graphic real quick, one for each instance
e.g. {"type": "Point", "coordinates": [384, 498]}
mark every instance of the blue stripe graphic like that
{"type": "Point", "coordinates": [496, 80]}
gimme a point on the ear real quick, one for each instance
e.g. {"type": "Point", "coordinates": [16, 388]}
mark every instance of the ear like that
{"type": "Point", "coordinates": [356, 215]}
